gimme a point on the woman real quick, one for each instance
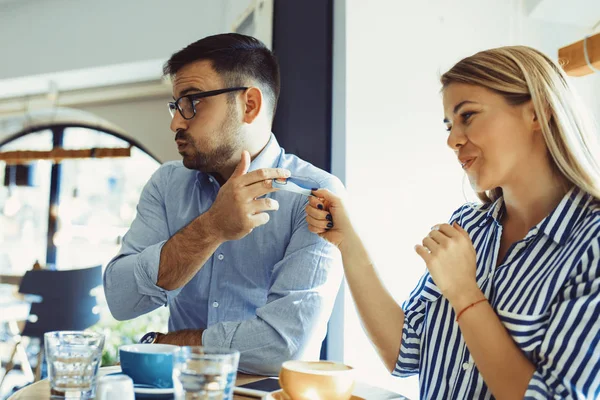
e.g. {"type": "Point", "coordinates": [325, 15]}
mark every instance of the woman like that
{"type": "Point", "coordinates": [510, 305]}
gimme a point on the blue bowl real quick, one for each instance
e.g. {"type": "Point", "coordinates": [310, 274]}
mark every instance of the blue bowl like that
{"type": "Point", "coordinates": [148, 364]}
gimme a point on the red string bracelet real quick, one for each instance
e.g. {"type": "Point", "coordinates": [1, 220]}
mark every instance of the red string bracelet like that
{"type": "Point", "coordinates": [467, 307]}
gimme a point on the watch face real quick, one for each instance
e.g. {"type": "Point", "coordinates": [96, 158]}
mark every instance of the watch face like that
{"type": "Point", "coordinates": [148, 337]}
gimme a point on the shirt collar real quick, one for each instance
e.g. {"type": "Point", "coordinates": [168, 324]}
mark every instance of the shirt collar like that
{"type": "Point", "coordinates": [494, 213]}
{"type": "Point", "coordinates": [268, 157]}
{"type": "Point", "coordinates": [558, 224]}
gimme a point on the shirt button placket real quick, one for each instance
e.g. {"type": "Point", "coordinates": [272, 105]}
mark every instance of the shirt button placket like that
{"type": "Point", "coordinates": [220, 257]}
{"type": "Point", "coordinates": [215, 304]}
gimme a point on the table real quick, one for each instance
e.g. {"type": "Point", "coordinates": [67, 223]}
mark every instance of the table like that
{"type": "Point", "coordinates": [41, 391]}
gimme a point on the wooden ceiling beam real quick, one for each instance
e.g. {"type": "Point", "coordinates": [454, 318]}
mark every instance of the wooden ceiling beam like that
{"type": "Point", "coordinates": [58, 154]}
{"type": "Point", "coordinates": [573, 60]}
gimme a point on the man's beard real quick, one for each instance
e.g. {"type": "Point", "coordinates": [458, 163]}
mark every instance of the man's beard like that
{"type": "Point", "coordinates": [220, 156]}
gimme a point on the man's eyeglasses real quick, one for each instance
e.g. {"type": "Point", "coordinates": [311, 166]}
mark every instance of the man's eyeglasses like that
{"type": "Point", "coordinates": [187, 104]}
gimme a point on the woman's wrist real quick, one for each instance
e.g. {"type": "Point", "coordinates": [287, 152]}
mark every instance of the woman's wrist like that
{"type": "Point", "coordinates": [465, 297]}
{"type": "Point", "coordinates": [350, 242]}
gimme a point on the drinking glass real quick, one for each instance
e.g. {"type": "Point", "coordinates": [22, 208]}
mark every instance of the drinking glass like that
{"type": "Point", "coordinates": [204, 373]}
{"type": "Point", "coordinates": [73, 359]}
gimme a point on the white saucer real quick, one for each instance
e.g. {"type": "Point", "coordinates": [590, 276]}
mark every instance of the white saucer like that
{"type": "Point", "coordinates": [280, 395]}
{"type": "Point", "coordinates": [153, 391]}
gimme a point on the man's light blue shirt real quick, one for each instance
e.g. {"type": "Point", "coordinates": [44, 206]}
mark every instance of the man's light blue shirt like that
{"type": "Point", "coordinates": [268, 295]}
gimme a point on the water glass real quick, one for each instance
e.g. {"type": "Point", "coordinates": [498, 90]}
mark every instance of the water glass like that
{"type": "Point", "coordinates": [111, 387]}
{"type": "Point", "coordinates": [203, 373]}
{"type": "Point", "coordinates": [73, 359]}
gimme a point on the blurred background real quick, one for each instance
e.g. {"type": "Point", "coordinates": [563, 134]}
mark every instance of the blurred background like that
{"type": "Point", "coordinates": [360, 98]}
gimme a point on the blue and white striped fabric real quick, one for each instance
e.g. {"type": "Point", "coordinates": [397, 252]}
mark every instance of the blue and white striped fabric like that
{"type": "Point", "coordinates": [546, 292]}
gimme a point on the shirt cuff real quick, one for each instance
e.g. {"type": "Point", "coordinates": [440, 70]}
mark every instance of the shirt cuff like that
{"type": "Point", "coordinates": [410, 352]}
{"type": "Point", "coordinates": [539, 388]}
{"type": "Point", "coordinates": [146, 275]}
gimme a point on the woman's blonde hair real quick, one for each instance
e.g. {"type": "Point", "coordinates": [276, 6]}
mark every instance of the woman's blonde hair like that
{"type": "Point", "coordinates": [521, 74]}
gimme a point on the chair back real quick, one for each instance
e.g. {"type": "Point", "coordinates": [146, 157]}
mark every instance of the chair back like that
{"type": "Point", "coordinates": [66, 299]}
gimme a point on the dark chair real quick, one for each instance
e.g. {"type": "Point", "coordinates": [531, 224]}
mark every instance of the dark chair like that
{"type": "Point", "coordinates": [67, 302]}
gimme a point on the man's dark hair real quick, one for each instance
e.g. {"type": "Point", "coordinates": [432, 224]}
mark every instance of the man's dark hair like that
{"type": "Point", "coordinates": [238, 59]}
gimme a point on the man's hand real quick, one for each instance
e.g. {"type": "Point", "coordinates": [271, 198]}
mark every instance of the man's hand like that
{"type": "Point", "coordinates": [237, 210]}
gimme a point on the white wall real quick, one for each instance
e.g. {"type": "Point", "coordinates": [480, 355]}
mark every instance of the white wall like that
{"type": "Point", "coordinates": [41, 36]}
{"type": "Point", "coordinates": [146, 121]}
{"type": "Point", "coordinates": [47, 36]}
{"type": "Point", "coordinates": [401, 177]}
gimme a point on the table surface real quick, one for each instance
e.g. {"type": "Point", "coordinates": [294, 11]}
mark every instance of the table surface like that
{"type": "Point", "coordinates": [41, 390]}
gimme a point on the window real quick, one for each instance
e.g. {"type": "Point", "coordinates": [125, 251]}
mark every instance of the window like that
{"type": "Point", "coordinates": [97, 199]}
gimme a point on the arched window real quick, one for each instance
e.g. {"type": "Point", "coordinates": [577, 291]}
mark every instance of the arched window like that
{"type": "Point", "coordinates": [72, 213]}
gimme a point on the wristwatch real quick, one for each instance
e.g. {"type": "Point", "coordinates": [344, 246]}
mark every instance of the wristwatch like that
{"type": "Point", "coordinates": [150, 337]}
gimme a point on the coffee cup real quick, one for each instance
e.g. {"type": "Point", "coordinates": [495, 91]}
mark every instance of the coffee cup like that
{"type": "Point", "coordinates": [309, 380]}
{"type": "Point", "coordinates": [148, 364]}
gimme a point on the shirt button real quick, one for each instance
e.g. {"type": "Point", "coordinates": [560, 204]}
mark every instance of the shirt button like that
{"type": "Point", "coordinates": [466, 366]}
{"type": "Point", "coordinates": [491, 275]}
{"type": "Point", "coordinates": [215, 304]}
{"type": "Point", "coordinates": [220, 257]}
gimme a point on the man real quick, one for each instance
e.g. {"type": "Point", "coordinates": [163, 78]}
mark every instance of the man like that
{"type": "Point", "coordinates": [230, 255]}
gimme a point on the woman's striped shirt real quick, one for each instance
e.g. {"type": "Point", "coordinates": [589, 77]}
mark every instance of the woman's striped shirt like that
{"type": "Point", "coordinates": [546, 292]}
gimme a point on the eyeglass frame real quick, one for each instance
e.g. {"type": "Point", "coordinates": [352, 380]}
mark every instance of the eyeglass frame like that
{"type": "Point", "coordinates": [174, 105]}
